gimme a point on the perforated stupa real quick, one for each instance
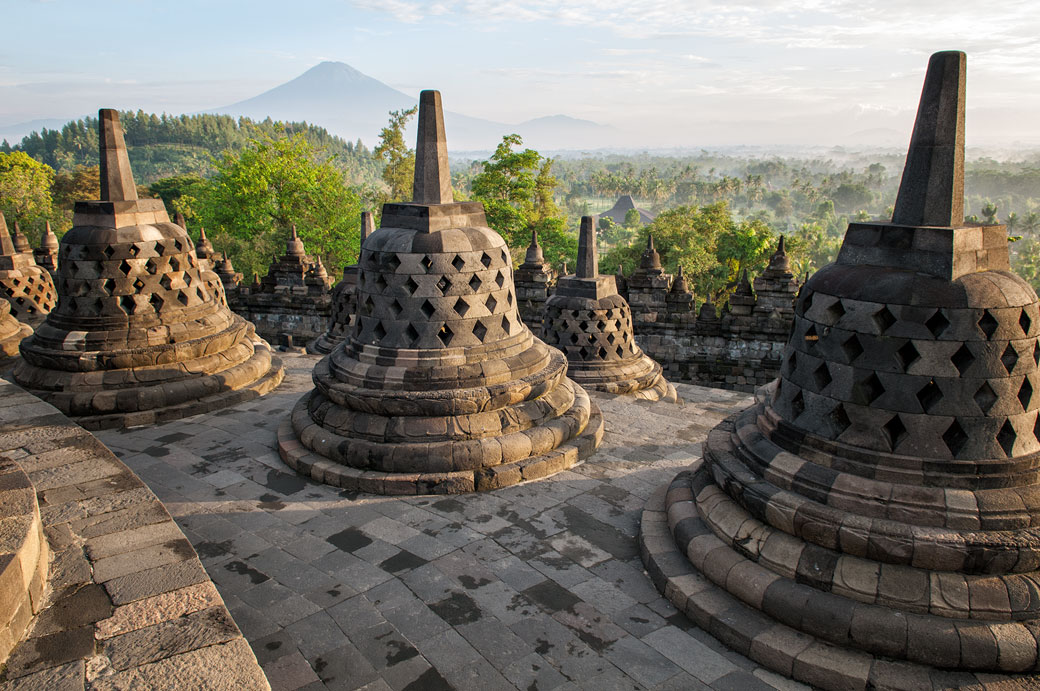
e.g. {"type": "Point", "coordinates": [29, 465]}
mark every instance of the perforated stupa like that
{"type": "Point", "coordinates": [871, 522]}
{"type": "Point", "coordinates": [140, 333]}
{"type": "Point", "coordinates": [344, 300]}
{"type": "Point", "coordinates": [592, 325]}
{"type": "Point", "coordinates": [440, 387]}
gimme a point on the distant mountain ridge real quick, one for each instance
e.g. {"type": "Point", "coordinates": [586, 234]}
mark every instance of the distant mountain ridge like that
{"type": "Point", "coordinates": [353, 105]}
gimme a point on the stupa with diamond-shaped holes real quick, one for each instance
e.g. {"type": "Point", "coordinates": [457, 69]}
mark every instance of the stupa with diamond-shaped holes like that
{"type": "Point", "coordinates": [592, 325]}
{"type": "Point", "coordinates": [27, 286]}
{"type": "Point", "coordinates": [871, 521]}
{"type": "Point", "coordinates": [141, 334]}
{"type": "Point", "coordinates": [344, 301]}
{"type": "Point", "coordinates": [440, 387]}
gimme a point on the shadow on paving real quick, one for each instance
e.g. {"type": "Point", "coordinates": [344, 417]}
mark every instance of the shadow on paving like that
{"type": "Point", "coordinates": [535, 586]}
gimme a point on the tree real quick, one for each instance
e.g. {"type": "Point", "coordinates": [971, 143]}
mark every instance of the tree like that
{"type": "Point", "coordinates": [258, 194]}
{"type": "Point", "coordinates": [632, 219]}
{"type": "Point", "coordinates": [989, 213]}
{"type": "Point", "coordinates": [399, 173]}
{"type": "Point", "coordinates": [517, 189]}
{"type": "Point", "coordinates": [80, 183]}
{"type": "Point", "coordinates": [25, 191]}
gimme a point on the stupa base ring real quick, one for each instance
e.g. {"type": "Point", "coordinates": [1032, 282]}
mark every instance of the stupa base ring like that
{"type": "Point", "coordinates": [769, 642]}
{"type": "Point", "coordinates": [266, 383]}
{"type": "Point", "coordinates": [319, 468]}
{"type": "Point", "coordinates": [323, 344]}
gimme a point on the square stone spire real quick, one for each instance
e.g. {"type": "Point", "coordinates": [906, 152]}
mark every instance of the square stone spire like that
{"type": "Point", "coordinates": [588, 262]}
{"type": "Point", "coordinates": [432, 183]}
{"type": "Point", "coordinates": [928, 233]}
{"type": "Point", "coordinates": [433, 207]}
{"type": "Point", "coordinates": [931, 192]}
{"type": "Point", "coordinates": [119, 206]}
{"type": "Point", "coordinates": [117, 180]}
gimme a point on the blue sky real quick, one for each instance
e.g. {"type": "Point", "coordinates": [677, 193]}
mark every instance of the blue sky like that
{"type": "Point", "coordinates": [699, 72]}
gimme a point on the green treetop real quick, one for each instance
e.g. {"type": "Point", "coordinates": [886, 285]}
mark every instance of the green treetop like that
{"type": "Point", "coordinates": [399, 172]}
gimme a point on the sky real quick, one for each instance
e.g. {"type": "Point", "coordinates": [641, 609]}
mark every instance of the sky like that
{"type": "Point", "coordinates": [661, 73]}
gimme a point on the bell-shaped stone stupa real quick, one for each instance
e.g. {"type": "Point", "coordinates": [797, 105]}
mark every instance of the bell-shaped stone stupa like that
{"type": "Point", "coordinates": [592, 325]}
{"type": "Point", "coordinates": [440, 387]}
{"type": "Point", "coordinates": [27, 286]}
{"type": "Point", "coordinates": [871, 522]}
{"type": "Point", "coordinates": [140, 334]}
{"type": "Point", "coordinates": [344, 300]}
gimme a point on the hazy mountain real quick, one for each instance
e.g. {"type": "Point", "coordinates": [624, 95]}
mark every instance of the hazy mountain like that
{"type": "Point", "coordinates": [14, 132]}
{"type": "Point", "coordinates": [353, 105]}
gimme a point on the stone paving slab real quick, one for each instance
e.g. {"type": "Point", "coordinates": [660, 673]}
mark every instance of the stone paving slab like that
{"type": "Point", "coordinates": [536, 586]}
{"type": "Point", "coordinates": [127, 603]}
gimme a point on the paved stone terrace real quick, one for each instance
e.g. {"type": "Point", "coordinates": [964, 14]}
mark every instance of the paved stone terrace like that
{"type": "Point", "coordinates": [537, 586]}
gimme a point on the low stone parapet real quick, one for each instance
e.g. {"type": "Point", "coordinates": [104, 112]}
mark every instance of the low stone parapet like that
{"type": "Point", "coordinates": [127, 602]}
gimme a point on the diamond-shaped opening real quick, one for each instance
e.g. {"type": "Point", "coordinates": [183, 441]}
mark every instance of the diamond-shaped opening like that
{"type": "Point", "coordinates": [393, 262]}
{"type": "Point", "coordinates": [822, 377]}
{"type": "Point", "coordinates": [178, 245]}
{"type": "Point", "coordinates": [807, 302]}
{"type": "Point", "coordinates": [835, 312]}
{"type": "Point", "coordinates": [151, 267]}
{"type": "Point", "coordinates": [458, 262]}
{"type": "Point", "coordinates": [506, 324]}
{"type": "Point", "coordinates": [175, 263]}
{"type": "Point", "coordinates": [109, 251]}
{"type": "Point", "coordinates": [929, 396]}
{"type": "Point", "coordinates": [395, 308]}
{"type": "Point", "coordinates": [988, 323]}
{"type": "Point", "coordinates": [868, 390]}
{"type": "Point", "coordinates": [811, 337]}
{"type": "Point", "coordinates": [379, 331]}
{"type": "Point", "coordinates": [138, 285]}
{"type": "Point", "coordinates": [500, 279]}
{"type": "Point", "coordinates": [509, 298]}
{"type": "Point", "coordinates": [109, 285]}
{"type": "Point", "coordinates": [583, 326]}
{"type": "Point", "coordinates": [380, 281]}
{"type": "Point", "coordinates": [1025, 393]}
{"type": "Point", "coordinates": [610, 338]}
{"type": "Point", "coordinates": [125, 267]}
{"type": "Point", "coordinates": [884, 319]}
{"type": "Point", "coordinates": [411, 334]}
{"type": "Point", "coordinates": [485, 259]}
{"type": "Point", "coordinates": [1010, 357]}
{"type": "Point", "coordinates": [479, 330]}
{"type": "Point", "coordinates": [1025, 322]}
{"type": "Point", "coordinates": [575, 338]}
{"type": "Point", "coordinates": [474, 283]}
{"type": "Point", "coordinates": [428, 309]}
{"type": "Point", "coordinates": [852, 348]}
{"type": "Point", "coordinates": [134, 250]}
{"type": "Point", "coordinates": [895, 430]}
{"type": "Point", "coordinates": [839, 419]}
{"type": "Point", "coordinates": [157, 301]}
{"type": "Point", "coordinates": [937, 323]}
{"type": "Point", "coordinates": [368, 305]}
{"type": "Point", "coordinates": [602, 353]}
{"type": "Point", "coordinates": [955, 438]}
{"type": "Point", "coordinates": [182, 298]}
{"type": "Point", "coordinates": [165, 281]}
{"type": "Point", "coordinates": [1036, 352]}
{"type": "Point", "coordinates": [963, 358]}
{"type": "Point", "coordinates": [985, 397]}
{"type": "Point", "coordinates": [792, 363]}
{"type": "Point", "coordinates": [907, 355]}
{"type": "Point", "coordinates": [798, 404]}
{"type": "Point", "coordinates": [1036, 427]}
{"type": "Point", "coordinates": [128, 304]}
{"type": "Point", "coordinates": [160, 248]}
{"type": "Point", "coordinates": [461, 307]}
{"type": "Point", "coordinates": [491, 303]}
{"type": "Point", "coordinates": [426, 262]}
{"type": "Point", "coordinates": [584, 352]}
{"type": "Point", "coordinates": [410, 285]}
{"type": "Point", "coordinates": [601, 326]}
{"type": "Point", "coordinates": [505, 256]}
{"type": "Point", "coordinates": [1006, 437]}
{"type": "Point", "coordinates": [445, 334]}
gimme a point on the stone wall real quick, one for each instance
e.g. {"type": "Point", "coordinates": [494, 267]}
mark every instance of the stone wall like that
{"type": "Point", "coordinates": [126, 602]}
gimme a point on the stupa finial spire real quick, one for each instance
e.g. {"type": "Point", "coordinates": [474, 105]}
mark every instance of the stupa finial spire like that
{"type": "Point", "coordinates": [588, 264]}
{"type": "Point", "coordinates": [432, 183]}
{"type": "Point", "coordinates": [117, 180]}
{"type": "Point", "coordinates": [368, 225]}
{"type": "Point", "coordinates": [931, 192]}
